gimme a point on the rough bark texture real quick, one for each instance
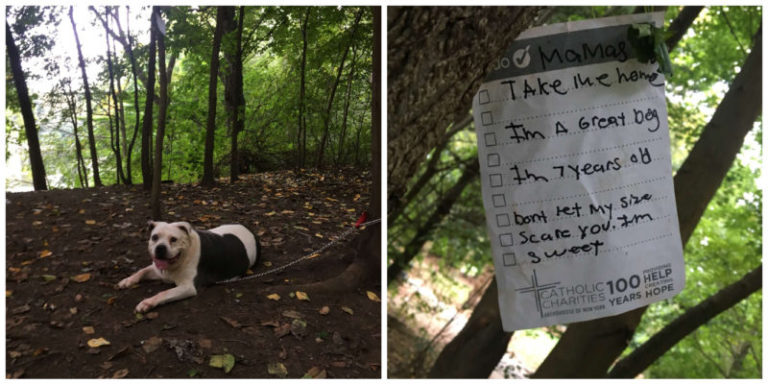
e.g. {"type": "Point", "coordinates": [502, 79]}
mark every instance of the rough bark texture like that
{"type": "Point", "coordinates": [680, 25]}
{"type": "Point", "coordinates": [232, 76]}
{"type": "Point", "coordinates": [402, 260]}
{"type": "Point", "coordinates": [588, 349]}
{"type": "Point", "coordinates": [351, 77]}
{"type": "Point", "coordinates": [434, 69]}
{"type": "Point", "coordinates": [210, 127]}
{"type": "Point", "coordinates": [301, 136]}
{"type": "Point", "coordinates": [30, 128]}
{"type": "Point", "coordinates": [475, 351]}
{"type": "Point", "coordinates": [82, 171]}
{"type": "Point", "coordinates": [88, 107]}
{"type": "Point", "coordinates": [672, 333]}
{"type": "Point", "coordinates": [113, 93]}
{"type": "Point", "coordinates": [146, 127]}
{"type": "Point", "coordinates": [162, 109]}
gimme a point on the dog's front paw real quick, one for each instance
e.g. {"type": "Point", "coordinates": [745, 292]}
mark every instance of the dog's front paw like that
{"type": "Point", "coordinates": [126, 283]}
{"type": "Point", "coordinates": [145, 305]}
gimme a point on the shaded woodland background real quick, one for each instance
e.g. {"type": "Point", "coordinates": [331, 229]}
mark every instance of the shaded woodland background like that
{"type": "Point", "coordinates": [440, 274]}
{"type": "Point", "coordinates": [293, 91]}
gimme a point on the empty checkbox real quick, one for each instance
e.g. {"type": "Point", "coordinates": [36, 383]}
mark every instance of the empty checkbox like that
{"type": "Point", "coordinates": [490, 139]}
{"type": "Point", "coordinates": [499, 201]}
{"type": "Point", "coordinates": [484, 97]}
{"type": "Point", "coordinates": [494, 160]}
{"type": "Point", "coordinates": [502, 220]}
{"type": "Point", "coordinates": [506, 239]}
{"type": "Point", "coordinates": [496, 180]}
{"type": "Point", "coordinates": [509, 259]}
{"type": "Point", "coordinates": [486, 118]}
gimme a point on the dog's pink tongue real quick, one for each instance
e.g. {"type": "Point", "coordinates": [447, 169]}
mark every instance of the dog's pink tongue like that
{"type": "Point", "coordinates": [161, 264]}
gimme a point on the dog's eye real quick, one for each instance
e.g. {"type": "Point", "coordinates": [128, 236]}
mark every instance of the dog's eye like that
{"type": "Point", "coordinates": [173, 239]}
{"type": "Point", "coordinates": [154, 237]}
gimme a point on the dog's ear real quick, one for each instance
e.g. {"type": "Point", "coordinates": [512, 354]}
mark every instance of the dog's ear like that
{"type": "Point", "coordinates": [150, 225]}
{"type": "Point", "coordinates": [184, 226]}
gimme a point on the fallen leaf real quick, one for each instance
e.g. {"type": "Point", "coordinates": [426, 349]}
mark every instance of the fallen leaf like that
{"type": "Point", "coordinates": [37, 223]}
{"type": "Point", "coordinates": [119, 374]}
{"type": "Point", "coordinates": [270, 213]}
{"type": "Point", "coordinates": [277, 369]}
{"type": "Point", "coordinates": [152, 344]}
{"type": "Point", "coordinates": [226, 361]}
{"type": "Point", "coordinates": [192, 372]}
{"type": "Point", "coordinates": [267, 263]}
{"type": "Point", "coordinates": [205, 343]}
{"type": "Point", "coordinates": [315, 373]}
{"type": "Point", "coordinates": [88, 330]}
{"type": "Point", "coordinates": [45, 253]}
{"type": "Point", "coordinates": [90, 222]}
{"type": "Point", "coordinates": [286, 212]}
{"type": "Point", "coordinates": [73, 310]}
{"type": "Point", "coordinates": [292, 314]}
{"type": "Point", "coordinates": [357, 197]}
{"type": "Point", "coordinates": [81, 211]}
{"type": "Point", "coordinates": [233, 323]}
{"type": "Point", "coordinates": [302, 296]}
{"type": "Point", "coordinates": [270, 323]}
{"type": "Point", "coordinates": [95, 343]}
{"type": "Point", "coordinates": [8, 293]}
{"type": "Point", "coordinates": [22, 309]}
{"type": "Point", "coordinates": [348, 310]}
{"type": "Point", "coordinates": [283, 330]}
{"type": "Point", "coordinates": [274, 297]}
{"type": "Point", "coordinates": [81, 278]}
{"type": "Point", "coordinates": [312, 256]}
{"type": "Point", "coordinates": [324, 310]}
{"type": "Point", "coordinates": [319, 235]}
{"type": "Point", "coordinates": [111, 300]}
{"type": "Point", "coordinates": [48, 278]}
{"type": "Point", "coordinates": [372, 296]}
{"type": "Point", "coordinates": [299, 328]}
{"type": "Point", "coordinates": [152, 315]}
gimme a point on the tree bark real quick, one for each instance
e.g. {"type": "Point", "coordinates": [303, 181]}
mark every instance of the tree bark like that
{"type": "Point", "coordinates": [400, 261]}
{"type": "Point", "coordinates": [88, 107]}
{"type": "Point", "coordinates": [301, 136]}
{"type": "Point", "coordinates": [82, 171]}
{"type": "Point", "coordinates": [162, 109]}
{"type": "Point", "coordinates": [30, 128]}
{"type": "Point", "coordinates": [680, 25]}
{"type": "Point", "coordinates": [327, 116]}
{"type": "Point", "coordinates": [128, 45]}
{"type": "Point", "coordinates": [642, 357]}
{"type": "Point", "coordinates": [434, 70]}
{"type": "Point", "coordinates": [234, 99]}
{"type": "Point", "coordinates": [210, 127]}
{"type": "Point", "coordinates": [146, 128]}
{"type": "Point", "coordinates": [588, 349]}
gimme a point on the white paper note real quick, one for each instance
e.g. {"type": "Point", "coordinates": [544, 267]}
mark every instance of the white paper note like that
{"type": "Point", "coordinates": [577, 185]}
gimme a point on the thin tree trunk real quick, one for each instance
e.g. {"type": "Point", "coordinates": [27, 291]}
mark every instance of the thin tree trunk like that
{"type": "Point", "coordinates": [327, 116]}
{"type": "Point", "coordinates": [301, 145]}
{"type": "Point", "coordinates": [402, 260]}
{"type": "Point", "coordinates": [587, 349]}
{"type": "Point", "coordinates": [116, 147]}
{"type": "Point", "coordinates": [210, 127]}
{"type": "Point", "coordinates": [162, 110]}
{"type": "Point", "coordinates": [351, 75]}
{"type": "Point", "coordinates": [643, 356]}
{"type": "Point", "coordinates": [134, 69]}
{"type": "Point", "coordinates": [146, 129]}
{"type": "Point", "coordinates": [238, 107]}
{"type": "Point", "coordinates": [123, 133]}
{"type": "Point", "coordinates": [680, 25]}
{"type": "Point", "coordinates": [88, 107]}
{"type": "Point", "coordinates": [82, 171]}
{"type": "Point", "coordinates": [30, 128]}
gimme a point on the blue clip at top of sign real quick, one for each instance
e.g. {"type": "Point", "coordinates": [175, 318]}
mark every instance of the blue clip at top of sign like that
{"type": "Point", "coordinates": [574, 154]}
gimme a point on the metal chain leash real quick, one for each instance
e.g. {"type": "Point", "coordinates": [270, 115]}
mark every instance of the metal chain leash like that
{"type": "Point", "coordinates": [310, 255]}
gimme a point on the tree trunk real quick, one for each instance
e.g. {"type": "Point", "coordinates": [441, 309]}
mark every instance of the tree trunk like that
{"type": "Point", "coordinates": [82, 171]}
{"type": "Point", "coordinates": [327, 116]}
{"type": "Point", "coordinates": [162, 109]}
{"type": "Point", "coordinates": [351, 75]}
{"type": "Point", "coordinates": [134, 69]}
{"type": "Point", "coordinates": [301, 144]}
{"type": "Point", "coordinates": [680, 25]}
{"type": "Point", "coordinates": [475, 351]}
{"type": "Point", "coordinates": [588, 349]}
{"type": "Point", "coordinates": [88, 107]}
{"type": "Point", "coordinates": [642, 357]}
{"type": "Point", "coordinates": [30, 128]}
{"type": "Point", "coordinates": [123, 133]}
{"type": "Point", "coordinates": [402, 260]}
{"type": "Point", "coordinates": [116, 148]}
{"type": "Point", "coordinates": [146, 128]}
{"type": "Point", "coordinates": [210, 127]}
{"type": "Point", "coordinates": [367, 262]}
{"type": "Point", "coordinates": [434, 70]}
{"type": "Point", "coordinates": [232, 76]}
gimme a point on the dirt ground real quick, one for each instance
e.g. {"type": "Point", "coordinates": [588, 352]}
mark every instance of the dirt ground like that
{"type": "Point", "coordinates": [66, 250]}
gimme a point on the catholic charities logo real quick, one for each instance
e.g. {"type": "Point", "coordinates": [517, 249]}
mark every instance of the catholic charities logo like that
{"type": "Point", "coordinates": [537, 288]}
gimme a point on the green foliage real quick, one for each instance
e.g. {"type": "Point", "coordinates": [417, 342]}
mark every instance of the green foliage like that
{"type": "Point", "coordinates": [272, 45]}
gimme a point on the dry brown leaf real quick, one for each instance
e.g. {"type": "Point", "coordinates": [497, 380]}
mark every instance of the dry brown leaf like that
{"type": "Point", "coordinates": [90, 222]}
{"type": "Point", "coordinates": [95, 343]}
{"type": "Point", "coordinates": [347, 310]}
{"type": "Point", "coordinates": [89, 330]}
{"type": "Point", "coordinates": [372, 296]}
{"type": "Point", "coordinates": [274, 297]}
{"type": "Point", "coordinates": [270, 213]}
{"type": "Point", "coordinates": [233, 323]}
{"type": "Point", "coordinates": [45, 253]}
{"type": "Point", "coordinates": [119, 374]}
{"type": "Point", "coordinates": [302, 296]}
{"type": "Point", "coordinates": [81, 278]}
{"type": "Point", "coordinates": [319, 235]}
{"type": "Point", "coordinates": [324, 310]}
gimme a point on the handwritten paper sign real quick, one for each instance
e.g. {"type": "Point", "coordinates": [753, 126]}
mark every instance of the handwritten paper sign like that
{"type": "Point", "coordinates": [576, 176]}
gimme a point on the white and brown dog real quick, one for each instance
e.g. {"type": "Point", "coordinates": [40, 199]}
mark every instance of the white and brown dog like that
{"type": "Point", "coordinates": [193, 258]}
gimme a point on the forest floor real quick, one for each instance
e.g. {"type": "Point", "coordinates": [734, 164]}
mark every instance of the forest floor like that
{"type": "Point", "coordinates": [67, 249]}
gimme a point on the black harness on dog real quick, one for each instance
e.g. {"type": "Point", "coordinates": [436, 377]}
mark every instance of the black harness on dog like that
{"type": "Point", "coordinates": [221, 257]}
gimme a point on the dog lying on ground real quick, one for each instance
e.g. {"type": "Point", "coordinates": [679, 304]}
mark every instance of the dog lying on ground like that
{"type": "Point", "coordinates": [193, 258]}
